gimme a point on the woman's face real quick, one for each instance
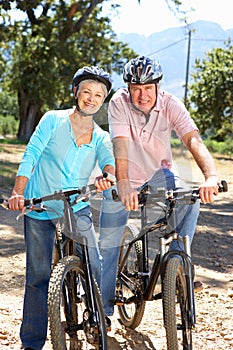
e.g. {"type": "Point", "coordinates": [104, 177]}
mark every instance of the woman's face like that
{"type": "Point", "coordinates": [90, 95]}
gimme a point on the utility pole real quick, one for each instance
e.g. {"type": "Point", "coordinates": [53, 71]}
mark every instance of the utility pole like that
{"type": "Point", "coordinates": [187, 68]}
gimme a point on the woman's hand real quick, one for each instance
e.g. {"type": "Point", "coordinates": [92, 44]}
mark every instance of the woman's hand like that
{"type": "Point", "coordinates": [102, 183]}
{"type": "Point", "coordinates": [16, 202]}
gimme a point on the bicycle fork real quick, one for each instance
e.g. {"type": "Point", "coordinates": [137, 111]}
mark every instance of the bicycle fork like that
{"type": "Point", "coordinates": [90, 285]}
{"type": "Point", "coordinates": [187, 268]}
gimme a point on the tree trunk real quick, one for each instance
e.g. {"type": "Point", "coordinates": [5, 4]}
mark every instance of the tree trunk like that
{"type": "Point", "coordinates": [29, 114]}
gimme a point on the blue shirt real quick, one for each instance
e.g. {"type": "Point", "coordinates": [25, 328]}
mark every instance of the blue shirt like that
{"type": "Point", "coordinates": [52, 160]}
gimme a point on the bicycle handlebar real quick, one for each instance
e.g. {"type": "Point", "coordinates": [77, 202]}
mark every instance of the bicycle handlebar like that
{"type": "Point", "coordinates": [90, 190]}
{"type": "Point", "coordinates": [162, 194]}
{"type": "Point", "coordinates": [83, 193]}
{"type": "Point", "coordinates": [57, 195]}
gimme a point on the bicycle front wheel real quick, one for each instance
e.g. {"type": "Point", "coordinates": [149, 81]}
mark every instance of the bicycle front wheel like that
{"type": "Point", "coordinates": [176, 307]}
{"type": "Point", "coordinates": [72, 323]}
{"type": "Point", "coordinates": [129, 284]}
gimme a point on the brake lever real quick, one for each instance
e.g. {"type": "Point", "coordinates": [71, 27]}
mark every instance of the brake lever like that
{"type": "Point", "coordinates": [20, 215]}
{"type": "Point", "coordinates": [39, 209]}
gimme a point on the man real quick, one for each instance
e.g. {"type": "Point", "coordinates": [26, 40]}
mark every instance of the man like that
{"type": "Point", "coordinates": [61, 154]}
{"type": "Point", "coordinates": [141, 119]}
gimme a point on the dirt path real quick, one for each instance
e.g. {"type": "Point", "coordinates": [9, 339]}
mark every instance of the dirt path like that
{"type": "Point", "coordinates": [212, 252]}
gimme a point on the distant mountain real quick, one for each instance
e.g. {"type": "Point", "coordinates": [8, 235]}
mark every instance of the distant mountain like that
{"type": "Point", "coordinates": [170, 48]}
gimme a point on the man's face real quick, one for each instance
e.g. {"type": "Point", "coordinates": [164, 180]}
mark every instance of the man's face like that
{"type": "Point", "coordinates": [143, 96]}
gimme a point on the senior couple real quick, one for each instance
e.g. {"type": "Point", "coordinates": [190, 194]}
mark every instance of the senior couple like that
{"type": "Point", "coordinates": [65, 148]}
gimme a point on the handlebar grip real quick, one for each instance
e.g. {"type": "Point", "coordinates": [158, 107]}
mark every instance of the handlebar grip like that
{"type": "Point", "coordinates": [32, 201]}
{"type": "Point", "coordinates": [223, 187]}
{"type": "Point", "coordinates": [115, 195]}
{"type": "Point", "coordinates": [109, 177]}
{"type": "Point", "coordinates": [27, 202]}
{"type": "Point", "coordinates": [4, 203]}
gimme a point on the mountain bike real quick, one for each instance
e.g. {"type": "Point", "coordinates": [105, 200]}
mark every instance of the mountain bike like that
{"type": "Point", "coordinates": [75, 310]}
{"type": "Point", "coordinates": [136, 280]}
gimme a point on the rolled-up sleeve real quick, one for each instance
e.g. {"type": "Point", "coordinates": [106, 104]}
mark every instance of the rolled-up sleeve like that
{"type": "Point", "coordinates": [179, 117]}
{"type": "Point", "coordinates": [119, 125]}
{"type": "Point", "coordinates": [105, 152]}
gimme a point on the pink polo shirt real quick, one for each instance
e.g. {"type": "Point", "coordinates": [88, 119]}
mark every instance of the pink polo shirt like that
{"type": "Point", "coordinates": [149, 140]}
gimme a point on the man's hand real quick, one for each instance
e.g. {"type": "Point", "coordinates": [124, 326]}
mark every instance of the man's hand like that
{"type": "Point", "coordinates": [128, 196]}
{"type": "Point", "coordinates": [209, 189]}
{"type": "Point", "coordinates": [205, 161]}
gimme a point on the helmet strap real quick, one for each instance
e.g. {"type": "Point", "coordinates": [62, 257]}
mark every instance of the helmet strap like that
{"type": "Point", "coordinates": [79, 109]}
{"type": "Point", "coordinates": [156, 91]}
{"type": "Point", "coordinates": [81, 112]}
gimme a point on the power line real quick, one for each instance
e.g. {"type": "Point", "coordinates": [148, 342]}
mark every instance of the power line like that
{"type": "Point", "coordinates": [210, 40]}
{"type": "Point", "coordinates": [177, 42]}
{"type": "Point", "coordinates": [166, 47]}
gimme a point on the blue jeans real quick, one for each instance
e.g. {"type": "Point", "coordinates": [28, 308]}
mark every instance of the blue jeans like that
{"type": "Point", "coordinates": [113, 219]}
{"type": "Point", "coordinates": [39, 241]}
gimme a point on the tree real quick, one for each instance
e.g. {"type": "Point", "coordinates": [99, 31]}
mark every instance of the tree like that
{"type": "Point", "coordinates": [41, 50]}
{"type": "Point", "coordinates": [47, 46]}
{"type": "Point", "coordinates": [211, 96]}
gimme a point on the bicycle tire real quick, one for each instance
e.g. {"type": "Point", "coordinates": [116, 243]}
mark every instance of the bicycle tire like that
{"type": "Point", "coordinates": [131, 314]}
{"type": "Point", "coordinates": [80, 332]}
{"type": "Point", "coordinates": [176, 307]}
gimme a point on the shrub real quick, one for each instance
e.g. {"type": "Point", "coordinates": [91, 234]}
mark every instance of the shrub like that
{"type": "Point", "coordinates": [8, 126]}
{"type": "Point", "coordinates": [225, 147]}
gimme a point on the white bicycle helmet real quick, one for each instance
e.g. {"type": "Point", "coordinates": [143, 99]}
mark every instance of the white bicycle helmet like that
{"type": "Point", "coordinates": [142, 70]}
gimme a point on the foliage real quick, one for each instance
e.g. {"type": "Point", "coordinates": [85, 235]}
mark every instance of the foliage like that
{"type": "Point", "coordinates": [44, 50]}
{"type": "Point", "coordinates": [8, 126]}
{"type": "Point", "coordinates": [211, 98]}
{"type": "Point", "coordinates": [8, 104]}
{"type": "Point", "coordinates": [175, 142]}
{"type": "Point", "coordinates": [8, 114]}
{"type": "Point", "coordinates": [53, 50]}
{"type": "Point", "coordinates": [45, 43]}
{"type": "Point", "coordinates": [222, 147]}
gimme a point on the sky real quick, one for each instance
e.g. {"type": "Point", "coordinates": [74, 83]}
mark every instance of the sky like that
{"type": "Point", "coordinates": [153, 16]}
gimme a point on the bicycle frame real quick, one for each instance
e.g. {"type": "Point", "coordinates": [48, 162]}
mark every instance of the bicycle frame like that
{"type": "Point", "coordinates": [75, 307]}
{"type": "Point", "coordinates": [64, 242]}
{"type": "Point", "coordinates": [150, 280]}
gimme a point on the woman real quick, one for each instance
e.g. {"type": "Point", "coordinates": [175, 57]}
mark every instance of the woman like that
{"type": "Point", "coordinates": [61, 154]}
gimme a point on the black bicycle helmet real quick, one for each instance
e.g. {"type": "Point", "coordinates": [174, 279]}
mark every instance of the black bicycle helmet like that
{"type": "Point", "coordinates": [142, 70]}
{"type": "Point", "coordinates": [94, 73]}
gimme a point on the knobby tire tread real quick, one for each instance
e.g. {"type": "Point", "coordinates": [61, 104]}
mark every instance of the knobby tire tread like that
{"type": "Point", "coordinates": [134, 319]}
{"type": "Point", "coordinates": [55, 299]}
{"type": "Point", "coordinates": [175, 284]}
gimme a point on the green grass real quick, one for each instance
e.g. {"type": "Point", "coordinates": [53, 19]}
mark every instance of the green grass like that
{"type": "Point", "coordinates": [222, 148]}
{"type": "Point", "coordinates": [12, 141]}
